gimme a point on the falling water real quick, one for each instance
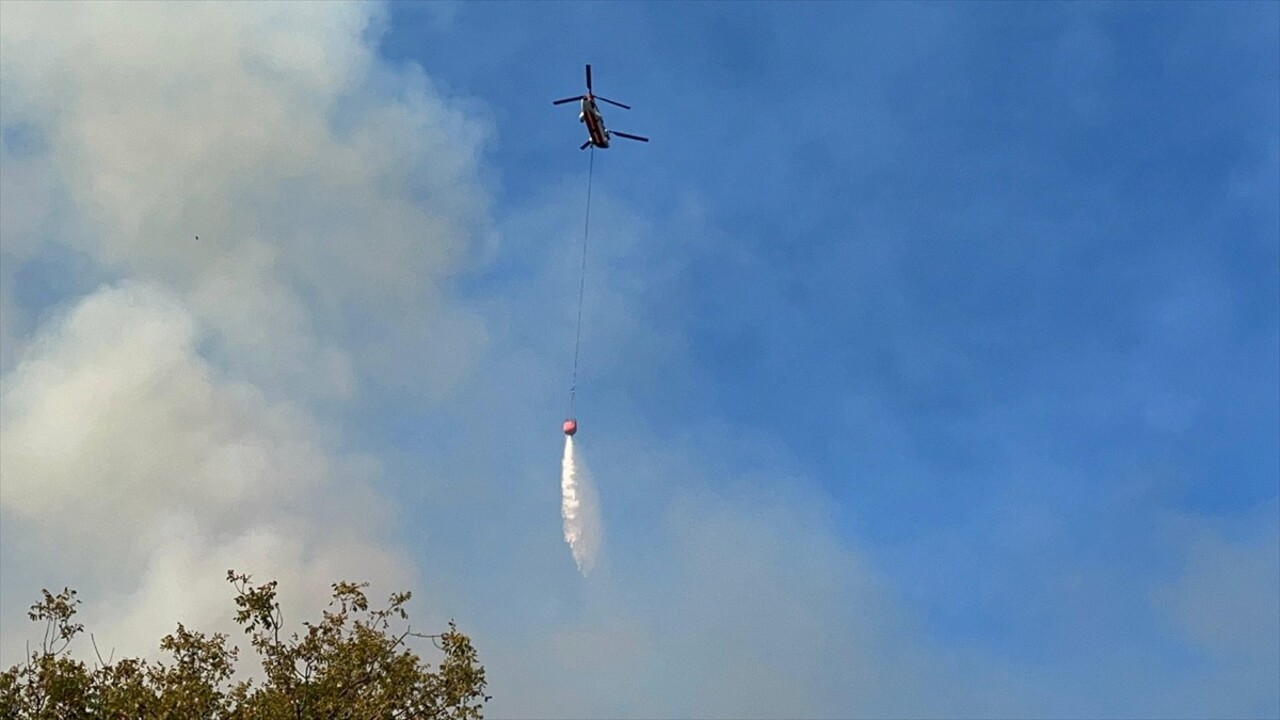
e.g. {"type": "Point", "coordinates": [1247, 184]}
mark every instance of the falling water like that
{"type": "Point", "coordinates": [578, 505]}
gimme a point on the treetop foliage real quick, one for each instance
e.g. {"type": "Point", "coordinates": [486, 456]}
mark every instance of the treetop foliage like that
{"type": "Point", "coordinates": [354, 663]}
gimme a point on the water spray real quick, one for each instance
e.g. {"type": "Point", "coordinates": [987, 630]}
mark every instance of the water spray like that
{"type": "Point", "coordinates": [580, 509]}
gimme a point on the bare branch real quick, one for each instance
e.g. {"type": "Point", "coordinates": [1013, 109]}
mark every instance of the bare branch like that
{"type": "Point", "coordinates": [94, 640]}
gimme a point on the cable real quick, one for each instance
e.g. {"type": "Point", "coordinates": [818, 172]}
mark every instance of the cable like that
{"type": "Point", "coordinates": [582, 281]}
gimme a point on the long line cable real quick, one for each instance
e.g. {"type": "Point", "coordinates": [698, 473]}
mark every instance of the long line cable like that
{"type": "Point", "coordinates": [582, 281]}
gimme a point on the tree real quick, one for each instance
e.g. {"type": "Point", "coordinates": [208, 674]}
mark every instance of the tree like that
{"type": "Point", "coordinates": [351, 664]}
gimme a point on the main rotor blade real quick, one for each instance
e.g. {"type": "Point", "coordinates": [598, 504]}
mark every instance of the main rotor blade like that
{"type": "Point", "coordinates": [614, 102]}
{"type": "Point", "coordinates": [628, 136]}
{"type": "Point", "coordinates": [588, 77]}
{"type": "Point", "coordinates": [572, 99]}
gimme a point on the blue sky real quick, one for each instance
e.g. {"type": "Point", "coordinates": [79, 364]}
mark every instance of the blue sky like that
{"type": "Point", "coordinates": [975, 267]}
{"type": "Point", "coordinates": [931, 351]}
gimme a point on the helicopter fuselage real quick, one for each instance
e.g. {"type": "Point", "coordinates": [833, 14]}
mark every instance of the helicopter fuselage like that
{"type": "Point", "coordinates": [595, 122]}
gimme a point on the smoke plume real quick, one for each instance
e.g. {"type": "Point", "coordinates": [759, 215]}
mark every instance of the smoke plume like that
{"type": "Point", "coordinates": [581, 511]}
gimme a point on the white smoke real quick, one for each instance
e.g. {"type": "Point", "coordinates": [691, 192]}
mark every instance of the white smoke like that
{"type": "Point", "coordinates": [581, 510]}
{"type": "Point", "coordinates": [143, 473]}
{"type": "Point", "coordinates": [186, 417]}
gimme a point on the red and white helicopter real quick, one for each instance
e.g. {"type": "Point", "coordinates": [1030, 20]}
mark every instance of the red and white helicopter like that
{"type": "Point", "coordinates": [597, 135]}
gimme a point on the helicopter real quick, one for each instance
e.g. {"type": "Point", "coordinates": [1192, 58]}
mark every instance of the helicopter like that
{"type": "Point", "coordinates": [597, 135]}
